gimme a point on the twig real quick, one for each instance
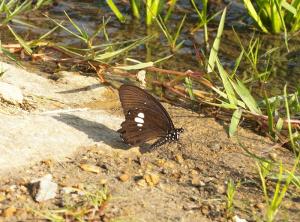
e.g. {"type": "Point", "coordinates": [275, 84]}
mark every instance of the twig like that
{"type": "Point", "coordinates": [62, 111]}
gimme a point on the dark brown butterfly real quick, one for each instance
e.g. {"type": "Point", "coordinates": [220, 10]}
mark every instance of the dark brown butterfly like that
{"type": "Point", "coordinates": [145, 118]}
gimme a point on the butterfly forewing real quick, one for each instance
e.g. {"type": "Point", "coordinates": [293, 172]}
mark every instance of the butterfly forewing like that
{"type": "Point", "coordinates": [145, 117]}
{"type": "Point", "coordinates": [135, 133]}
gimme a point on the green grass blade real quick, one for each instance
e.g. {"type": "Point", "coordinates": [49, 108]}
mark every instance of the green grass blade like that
{"type": "Point", "coordinates": [288, 118]}
{"type": "Point", "coordinates": [227, 85]}
{"type": "Point", "coordinates": [21, 41]}
{"type": "Point", "coordinates": [170, 10]}
{"type": "Point", "coordinates": [237, 63]}
{"type": "Point", "coordinates": [235, 119]}
{"type": "Point", "coordinates": [71, 51]}
{"type": "Point", "coordinates": [9, 55]}
{"type": "Point", "coordinates": [148, 13]}
{"type": "Point", "coordinates": [116, 11]}
{"type": "Point", "coordinates": [189, 86]}
{"type": "Point", "coordinates": [136, 66]}
{"type": "Point", "coordinates": [67, 30]}
{"type": "Point", "coordinates": [289, 7]}
{"type": "Point", "coordinates": [178, 31]}
{"type": "Point", "coordinates": [214, 51]}
{"type": "Point", "coordinates": [245, 95]}
{"type": "Point", "coordinates": [135, 7]}
{"type": "Point", "coordinates": [83, 33]}
{"type": "Point", "coordinates": [222, 94]}
{"type": "Point", "coordinates": [270, 116]}
{"type": "Point", "coordinates": [254, 15]}
{"type": "Point", "coordinates": [19, 9]}
{"type": "Point", "coordinates": [101, 57]}
{"type": "Point", "coordinates": [224, 105]}
{"type": "Point", "coordinates": [164, 29]}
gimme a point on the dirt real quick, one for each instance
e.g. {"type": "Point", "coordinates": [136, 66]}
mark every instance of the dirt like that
{"type": "Point", "coordinates": [184, 181]}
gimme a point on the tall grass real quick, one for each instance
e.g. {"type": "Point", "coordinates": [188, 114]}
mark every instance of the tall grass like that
{"type": "Point", "coordinates": [10, 9]}
{"type": "Point", "coordinates": [172, 38]}
{"type": "Point", "coordinates": [275, 16]}
{"type": "Point", "coordinates": [150, 8]}
{"type": "Point", "coordinates": [99, 53]}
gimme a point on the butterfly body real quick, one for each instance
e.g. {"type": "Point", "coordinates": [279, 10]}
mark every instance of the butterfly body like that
{"type": "Point", "coordinates": [145, 118]}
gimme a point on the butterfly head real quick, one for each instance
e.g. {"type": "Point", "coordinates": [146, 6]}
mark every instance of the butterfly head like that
{"type": "Point", "coordinates": [174, 134]}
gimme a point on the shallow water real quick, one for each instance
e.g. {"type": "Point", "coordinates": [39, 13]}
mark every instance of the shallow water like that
{"type": "Point", "coordinates": [89, 14]}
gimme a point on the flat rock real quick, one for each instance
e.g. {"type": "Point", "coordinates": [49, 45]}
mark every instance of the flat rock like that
{"type": "Point", "coordinates": [29, 138]}
{"type": "Point", "coordinates": [81, 89]}
{"type": "Point", "coordinates": [48, 133]}
{"type": "Point", "coordinates": [10, 93]}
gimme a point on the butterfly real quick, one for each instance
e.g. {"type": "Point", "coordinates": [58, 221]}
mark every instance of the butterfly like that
{"type": "Point", "coordinates": [145, 118]}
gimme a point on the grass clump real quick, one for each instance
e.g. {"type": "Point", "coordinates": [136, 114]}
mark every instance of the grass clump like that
{"type": "Point", "coordinates": [89, 207]}
{"type": "Point", "coordinates": [9, 9]}
{"type": "Point", "coordinates": [150, 8]}
{"type": "Point", "coordinates": [284, 178]}
{"type": "Point", "coordinates": [230, 193]}
{"type": "Point", "coordinates": [275, 16]}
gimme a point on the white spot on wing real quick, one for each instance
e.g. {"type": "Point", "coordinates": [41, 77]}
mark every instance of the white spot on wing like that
{"type": "Point", "coordinates": [138, 120]}
{"type": "Point", "coordinates": [139, 125]}
{"type": "Point", "coordinates": [141, 115]}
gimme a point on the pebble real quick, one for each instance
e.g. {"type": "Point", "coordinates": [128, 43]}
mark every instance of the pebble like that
{"type": "Point", "coordinates": [214, 146]}
{"type": "Point", "coordinates": [43, 188]}
{"type": "Point", "coordinates": [160, 162]}
{"type": "Point", "coordinates": [124, 177]}
{"type": "Point", "coordinates": [205, 210]}
{"type": "Point", "coordinates": [90, 168]}
{"type": "Point", "coordinates": [151, 179]}
{"type": "Point", "coordinates": [9, 212]}
{"type": "Point", "coordinates": [194, 172]}
{"type": "Point", "coordinates": [273, 156]}
{"type": "Point", "coordinates": [48, 162]}
{"type": "Point", "coordinates": [221, 189]}
{"type": "Point", "coordinates": [259, 206]}
{"type": "Point", "coordinates": [23, 189]}
{"type": "Point", "coordinates": [142, 183]}
{"type": "Point", "coordinates": [13, 188]}
{"type": "Point", "coordinates": [169, 164]}
{"type": "Point", "coordinates": [179, 158]}
{"type": "Point", "coordinates": [11, 93]}
{"type": "Point", "coordinates": [208, 179]}
{"type": "Point", "coordinates": [191, 206]}
{"type": "Point", "coordinates": [236, 218]}
{"type": "Point", "coordinates": [197, 182]}
{"type": "Point", "coordinates": [2, 197]}
{"type": "Point", "coordinates": [103, 181]}
{"type": "Point", "coordinates": [70, 190]}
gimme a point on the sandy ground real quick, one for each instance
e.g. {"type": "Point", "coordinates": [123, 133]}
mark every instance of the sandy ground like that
{"type": "Point", "coordinates": [71, 122]}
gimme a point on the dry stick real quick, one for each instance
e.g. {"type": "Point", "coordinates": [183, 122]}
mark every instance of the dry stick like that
{"type": "Point", "coordinates": [198, 76]}
{"type": "Point", "coordinates": [100, 72]}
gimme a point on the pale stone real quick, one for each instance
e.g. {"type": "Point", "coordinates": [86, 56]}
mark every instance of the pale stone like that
{"type": "Point", "coordinates": [44, 189]}
{"type": "Point", "coordinates": [11, 93]}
